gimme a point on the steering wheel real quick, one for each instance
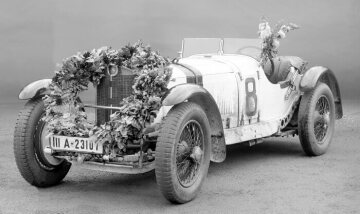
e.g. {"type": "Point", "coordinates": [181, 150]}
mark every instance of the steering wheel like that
{"type": "Point", "coordinates": [252, 51]}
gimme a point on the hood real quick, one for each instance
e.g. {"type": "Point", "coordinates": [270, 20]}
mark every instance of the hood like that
{"type": "Point", "coordinates": [192, 69]}
{"type": "Point", "coordinates": [210, 64]}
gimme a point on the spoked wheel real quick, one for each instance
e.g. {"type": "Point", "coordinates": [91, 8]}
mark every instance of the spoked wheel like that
{"type": "Point", "coordinates": [189, 153]}
{"type": "Point", "coordinates": [30, 140]}
{"type": "Point", "coordinates": [183, 152]}
{"type": "Point", "coordinates": [316, 120]}
{"type": "Point", "coordinates": [322, 118]}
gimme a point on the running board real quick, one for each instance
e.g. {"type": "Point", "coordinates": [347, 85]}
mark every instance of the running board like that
{"type": "Point", "coordinates": [250, 132]}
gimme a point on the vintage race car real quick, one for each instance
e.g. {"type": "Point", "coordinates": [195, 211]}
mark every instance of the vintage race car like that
{"type": "Point", "coordinates": [218, 95]}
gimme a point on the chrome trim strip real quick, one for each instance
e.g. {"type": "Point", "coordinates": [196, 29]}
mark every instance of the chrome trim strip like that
{"type": "Point", "coordinates": [103, 107]}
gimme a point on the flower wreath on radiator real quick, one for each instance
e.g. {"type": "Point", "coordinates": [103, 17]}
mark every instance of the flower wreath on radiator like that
{"type": "Point", "coordinates": [64, 110]}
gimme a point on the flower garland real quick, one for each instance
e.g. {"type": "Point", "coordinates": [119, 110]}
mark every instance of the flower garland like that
{"type": "Point", "coordinates": [64, 110]}
{"type": "Point", "coordinates": [270, 38]}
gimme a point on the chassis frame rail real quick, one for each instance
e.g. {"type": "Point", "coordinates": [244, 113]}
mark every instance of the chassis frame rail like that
{"type": "Point", "coordinates": [118, 168]}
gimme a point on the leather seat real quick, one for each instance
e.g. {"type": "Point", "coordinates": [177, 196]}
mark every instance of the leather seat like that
{"type": "Point", "coordinates": [278, 68]}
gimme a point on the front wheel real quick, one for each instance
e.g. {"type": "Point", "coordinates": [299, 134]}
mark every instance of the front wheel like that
{"type": "Point", "coordinates": [183, 152]}
{"type": "Point", "coordinates": [30, 139]}
{"type": "Point", "coordinates": [316, 120]}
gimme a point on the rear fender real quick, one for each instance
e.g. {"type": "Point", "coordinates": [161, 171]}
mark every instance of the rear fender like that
{"type": "Point", "coordinates": [35, 89]}
{"type": "Point", "coordinates": [322, 74]}
{"type": "Point", "coordinates": [199, 95]}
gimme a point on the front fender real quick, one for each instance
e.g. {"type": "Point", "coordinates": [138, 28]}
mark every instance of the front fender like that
{"type": "Point", "coordinates": [322, 74]}
{"type": "Point", "coordinates": [199, 95]}
{"type": "Point", "coordinates": [34, 89]}
{"type": "Point", "coordinates": [182, 92]}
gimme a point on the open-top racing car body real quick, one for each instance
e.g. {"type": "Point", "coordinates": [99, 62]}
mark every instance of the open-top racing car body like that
{"type": "Point", "coordinates": [218, 95]}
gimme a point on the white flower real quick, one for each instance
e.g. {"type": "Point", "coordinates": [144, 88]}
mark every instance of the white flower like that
{"type": "Point", "coordinates": [281, 34]}
{"type": "Point", "coordinates": [66, 115]}
{"type": "Point", "coordinates": [262, 26]}
{"type": "Point", "coordinates": [264, 30]}
{"type": "Point", "coordinates": [143, 54]}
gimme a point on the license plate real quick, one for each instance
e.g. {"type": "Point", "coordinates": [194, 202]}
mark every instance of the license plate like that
{"type": "Point", "coordinates": [75, 144]}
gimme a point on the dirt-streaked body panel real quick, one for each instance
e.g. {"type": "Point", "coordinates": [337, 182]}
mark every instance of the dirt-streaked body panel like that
{"type": "Point", "coordinates": [230, 79]}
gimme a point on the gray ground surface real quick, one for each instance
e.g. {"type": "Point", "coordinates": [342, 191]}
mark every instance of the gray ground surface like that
{"type": "Point", "coordinates": [273, 177]}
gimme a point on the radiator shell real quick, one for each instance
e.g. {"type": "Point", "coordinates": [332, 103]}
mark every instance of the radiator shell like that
{"type": "Point", "coordinates": [121, 87]}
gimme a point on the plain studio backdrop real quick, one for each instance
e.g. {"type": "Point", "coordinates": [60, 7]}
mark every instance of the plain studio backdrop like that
{"type": "Point", "coordinates": [36, 35]}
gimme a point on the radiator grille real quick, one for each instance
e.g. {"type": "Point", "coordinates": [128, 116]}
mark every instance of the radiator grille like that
{"type": "Point", "coordinates": [121, 85]}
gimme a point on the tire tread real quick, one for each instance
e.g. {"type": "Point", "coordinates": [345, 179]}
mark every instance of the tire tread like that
{"type": "Point", "coordinates": [25, 158]}
{"type": "Point", "coordinates": [167, 135]}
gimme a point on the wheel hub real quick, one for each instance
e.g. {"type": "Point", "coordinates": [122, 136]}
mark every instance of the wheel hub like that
{"type": "Point", "coordinates": [196, 154]}
{"type": "Point", "coordinates": [45, 146]}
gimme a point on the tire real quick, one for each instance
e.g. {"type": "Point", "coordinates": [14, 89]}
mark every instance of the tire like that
{"type": "Point", "coordinates": [181, 184]}
{"type": "Point", "coordinates": [317, 110]}
{"type": "Point", "coordinates": [37, 168]}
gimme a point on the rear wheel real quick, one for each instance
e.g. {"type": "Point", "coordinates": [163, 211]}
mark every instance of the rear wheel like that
{"type": "Point", "coordinates": [30, 139]}
{"type": "Point", "coordinates": [316, 120]}
{"type": "Point", "coordinates": [183, 152]}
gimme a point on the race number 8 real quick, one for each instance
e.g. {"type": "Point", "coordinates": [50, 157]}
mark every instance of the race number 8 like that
{"type": "Point", "coordinates": [251, 98]}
